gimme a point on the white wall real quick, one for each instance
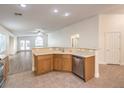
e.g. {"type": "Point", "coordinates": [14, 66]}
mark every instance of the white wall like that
{"type": "Point", "coordinates": [110, 23]}
{"type": "Point", "coordinates": [87, 29]}
{"type": "Point", "coordinates": [8, 34]}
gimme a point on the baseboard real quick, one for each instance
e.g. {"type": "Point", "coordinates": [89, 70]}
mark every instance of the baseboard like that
{"type": "Point", "coordinates": [102, 62]}
{"type": "Point", "coordinates": [24, 51]}
{"type": "Point", "coordinates": [122, 64]}
{"type": "Point", "coordinates": [13, 53]}
{"type": "Point", "coordinates": [111, 64]}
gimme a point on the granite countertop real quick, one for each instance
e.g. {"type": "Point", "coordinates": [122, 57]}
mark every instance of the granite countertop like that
{"type": "Point", "coordinates": [81, 54]}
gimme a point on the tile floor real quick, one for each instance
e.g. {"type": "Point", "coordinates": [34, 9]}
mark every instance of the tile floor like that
{"type": "Point", "coordinates": [20, 76]}
{"type": "Point", "coordinates": [111, 77]}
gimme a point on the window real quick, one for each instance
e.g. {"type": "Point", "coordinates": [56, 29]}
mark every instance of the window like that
{"type": "Point", "coordinates": [22, 45]}
{"type": "Point", "coordinates": [2, 43]}
{"type": "Point", "coordinates": [27, 45]}
{"type": "Point", "coordinates": [39, 41]}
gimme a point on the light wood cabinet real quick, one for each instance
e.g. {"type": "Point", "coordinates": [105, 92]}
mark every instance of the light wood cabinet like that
{"type": "Point", "coordinates": [57, 62]}
{"type": "Point", "coordinates": [63, 62]}
{"type": "Point", "coordinates": [89, 68]}
{"type": "Point", "coordinates": [43, 64]}
{"type": "Point", "coordinates": [67, 62]}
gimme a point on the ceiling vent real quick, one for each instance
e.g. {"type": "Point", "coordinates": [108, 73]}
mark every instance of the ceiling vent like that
{"type": "Point", "coordinates": [17, 14]}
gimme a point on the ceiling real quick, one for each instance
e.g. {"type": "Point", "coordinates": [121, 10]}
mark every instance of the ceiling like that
{"type": "Point", "coordinates": [41, 16]}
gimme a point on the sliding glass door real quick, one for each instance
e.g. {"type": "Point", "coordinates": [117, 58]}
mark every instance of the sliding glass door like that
{"type": "Point", "coordinates": [25, 45]}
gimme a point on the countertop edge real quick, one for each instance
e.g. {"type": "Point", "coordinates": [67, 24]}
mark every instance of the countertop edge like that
{"type": "Point", "coordinates": [65, 54]}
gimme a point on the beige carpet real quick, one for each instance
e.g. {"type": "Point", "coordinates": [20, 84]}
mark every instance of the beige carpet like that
{"type": "Point", "coordinates": [110, 76]}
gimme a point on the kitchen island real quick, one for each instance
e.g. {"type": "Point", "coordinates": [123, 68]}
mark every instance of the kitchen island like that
{"type": "Point", "coordinates": [81, 64]}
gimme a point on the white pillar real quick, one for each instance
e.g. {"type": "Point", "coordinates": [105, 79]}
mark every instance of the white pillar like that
{"type": "Point", "coordinates": [97, 63]}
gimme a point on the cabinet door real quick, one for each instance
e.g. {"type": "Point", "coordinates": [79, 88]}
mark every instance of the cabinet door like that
{"type": "Point", "coordinates": [89, 65]}
{"type": "Point", "coordinates": [47, 65]}
{"type": "Point", "coordinates": [67, 63]}
{"type": "Point", "coordinates": [44, 64]}
{"type": "Point", "coordinates": [57, 63]}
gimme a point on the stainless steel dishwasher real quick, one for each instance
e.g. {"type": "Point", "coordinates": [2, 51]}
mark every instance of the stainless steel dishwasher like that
{"type": "Point", "coordinates": [78, 66]}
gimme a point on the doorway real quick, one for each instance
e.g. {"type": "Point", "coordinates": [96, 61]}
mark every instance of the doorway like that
{"type": "Point", "coordinates": [112, 47]}
{"type": "Point", "coordinates": [25, 45]}
{"type": "Point", "coordinates": [75, 41]}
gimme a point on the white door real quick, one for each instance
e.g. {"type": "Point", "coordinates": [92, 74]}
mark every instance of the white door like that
{"type": "Point", "coordinates": [112, 48]}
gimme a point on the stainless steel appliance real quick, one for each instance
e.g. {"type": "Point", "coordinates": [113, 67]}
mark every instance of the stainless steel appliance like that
{"type": "Point", "coordinates": [78, 66]}
{"type": "Point", "coordinates": [2, 81]}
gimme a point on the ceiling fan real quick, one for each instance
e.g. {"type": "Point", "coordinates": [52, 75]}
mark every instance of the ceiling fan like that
{"type": "Point", "coordinates": [39, 31]}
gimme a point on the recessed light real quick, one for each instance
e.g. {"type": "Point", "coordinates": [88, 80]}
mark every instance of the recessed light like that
{"type": "Point", "coordinates": [55, 11]}
{"type": "Point", "coordinates": [66, 14]}
{"type": "Point", "coordinates": [23, 5]}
